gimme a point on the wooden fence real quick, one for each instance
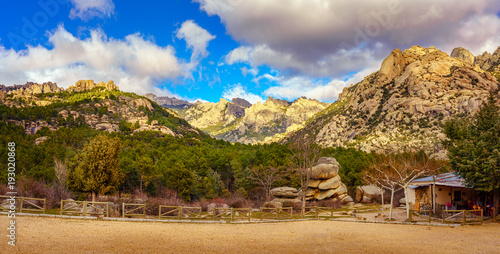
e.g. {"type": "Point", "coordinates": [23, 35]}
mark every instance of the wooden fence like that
{"type": "Point", "coordinates": [276, 213]}
{"type": "Point", "coordinates": [179, 212]}
{"type": "Point", "coordinates": [134, 210]}
{"type": "Point", "coordinates": [317, 212]}
{"type": "Point", "coordinates": [25, 204]}
{"type": "Point", "coordinates": [420, 216]}
{"type": "Point", "coordinates": [84, 208]}
{"type": "Point", "coordinates": [232, 214]}
{"type": "Point", "coordinates": [463, 216]}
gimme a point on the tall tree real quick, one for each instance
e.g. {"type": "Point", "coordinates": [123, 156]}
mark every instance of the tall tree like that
{"type": "Point", "coordinates": [474, 148]}
{"type": "Point", "coordinates": [305, 155]}
{"type": "Point", "coordinates": [97, 167]}
{"type": "Point", "coordinates": [266, 178]}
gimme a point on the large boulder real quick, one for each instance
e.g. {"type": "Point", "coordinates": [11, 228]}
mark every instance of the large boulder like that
{"type": "Point", "coordinates": [367, 193]}
{"type": "Point", "coordinates": [285, 192]}
{"type": "Point", "coordinates": [324, 171]}
{"type": "Point", "coordinates": [331, 183]}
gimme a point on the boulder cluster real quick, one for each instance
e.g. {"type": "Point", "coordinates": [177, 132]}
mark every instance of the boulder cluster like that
{"type": "Point", "coordinates": [284, 197]}
{"type": "Point", "coordinates": [325, 182]}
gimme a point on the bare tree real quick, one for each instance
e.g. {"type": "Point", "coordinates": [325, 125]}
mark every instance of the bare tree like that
{"type": "Point", "coordinates": [380, 175]}
{"type": "Point", "coordinates": [305, 155]}
{"type": "Point", "coordinates": [61, 171]}
{"type": "Point", "coordinates": [400, 170]}
{"type": "Point", "coordinates": [266, 178]}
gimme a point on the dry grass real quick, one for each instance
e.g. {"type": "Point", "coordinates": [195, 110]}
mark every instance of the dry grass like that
{"type": "Point", "coordinates": [51, 235]}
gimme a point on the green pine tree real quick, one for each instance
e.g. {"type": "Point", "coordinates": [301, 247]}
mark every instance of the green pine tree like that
{"type": "Point", "coordinates": [474, 148]}
{"type": "Point", "coordinates": [97, 168]}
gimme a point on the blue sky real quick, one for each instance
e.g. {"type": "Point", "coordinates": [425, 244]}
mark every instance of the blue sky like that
{"type": "Point", "coordinates": [209, 49]}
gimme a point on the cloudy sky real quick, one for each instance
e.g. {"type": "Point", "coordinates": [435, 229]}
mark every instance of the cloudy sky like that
{"type": "Point", "coordinates": [211, 49]}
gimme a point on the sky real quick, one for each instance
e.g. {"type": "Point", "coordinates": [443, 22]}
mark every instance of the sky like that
{"type": "Point", "coordinates": [211, 49]}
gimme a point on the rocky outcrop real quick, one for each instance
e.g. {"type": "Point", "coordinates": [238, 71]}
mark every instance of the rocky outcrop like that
{"type": "Point", "coordinates": [463, 54]}
{"type": "Point", "coordinates": [489, 62]}
{"type": "Point", "coordinates": [402, 106]}
{"type": "Point", "coordinates": [367, 193]}
{"type": "Point", "coordinates": [325, 182]}
{"type": "Point", "coordinates": [29, 89]}
{"type": "Point", "coordinates": [83, 85]}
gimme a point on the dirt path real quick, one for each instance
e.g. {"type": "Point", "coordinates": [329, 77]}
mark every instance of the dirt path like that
{"type": "Point", "coordinates": [52, 235]}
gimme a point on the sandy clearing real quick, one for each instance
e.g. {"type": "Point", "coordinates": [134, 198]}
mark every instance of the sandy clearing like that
{"type": "Point", "coordinates": [53, 235]}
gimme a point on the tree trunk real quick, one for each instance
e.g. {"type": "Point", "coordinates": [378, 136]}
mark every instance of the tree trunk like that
{"type": "Point", "coordinates": [382, 197]}
{"type": "Point", "coordinates": [94, 195]}
{"type": "Point", "coordinates": [392, 202]}
{"type": "Point", "coordinates": [496, 197]}
{"type": "Point", "coordinates": [407, 203]}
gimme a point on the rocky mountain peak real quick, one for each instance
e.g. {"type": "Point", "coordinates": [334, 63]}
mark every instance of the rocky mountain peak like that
{"type": "Point", "coordinates": [83, 85]}
{"type": "Point", "coordinates": [463, 54]}
{"type": "Point", "coordinates": [402, 105]}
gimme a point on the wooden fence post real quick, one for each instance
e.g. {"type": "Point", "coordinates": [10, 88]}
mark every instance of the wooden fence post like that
{"type": "Point", "coordinates": [278, 213]}
{"type": "Point", "coordinates": [44, 201]}
{"type": "Point", "coordinates": [180, 212]}
{"type": "Point", "coordinates": [62, 202]}
{"type": "Point", "coordinates": [123, 210]}
{"type": "Point", "coordinates": [84, 208]}
{"type": "Point", "coordinates": [443, 216]}
{"type": "Point", "coordinates": [465, 217]}
{"type": "Point", "coordinates": [20, 204]}
{"type": "Point", "coordinates": [107, 209]}
{"type": "Point", "coordinates": [481, 217]}
{"type": "Point", "coordinates": [232, 214]}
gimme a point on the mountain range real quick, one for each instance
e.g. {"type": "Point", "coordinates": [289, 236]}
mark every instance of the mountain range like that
{"type": "Point", "coordinates": [402, 106]}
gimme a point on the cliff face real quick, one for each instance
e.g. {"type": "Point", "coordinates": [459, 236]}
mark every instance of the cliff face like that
{"type": "Point", "coordinates": [402, 105]}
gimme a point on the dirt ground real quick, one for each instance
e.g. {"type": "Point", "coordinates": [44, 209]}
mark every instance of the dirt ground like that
{"type": "Point", "coordinates": [53, 235]}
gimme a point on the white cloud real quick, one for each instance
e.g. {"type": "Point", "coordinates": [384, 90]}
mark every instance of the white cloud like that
{"type": "Point", "coordinates": [196, 38]}
{"type": "Point", "coordinates": [238, 91]}
{"type": "Point", "coordinates": [298, 86]}
{"type": "Point", "coordinates": [89, 9]}
{"type": "Point", "coordinates": [134, 63]}
{"type": "Point", "coordinates": [315, 38]}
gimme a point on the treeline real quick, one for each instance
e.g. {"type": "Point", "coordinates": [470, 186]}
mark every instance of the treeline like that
{"type": "Point", "coordinates": [195, 167]}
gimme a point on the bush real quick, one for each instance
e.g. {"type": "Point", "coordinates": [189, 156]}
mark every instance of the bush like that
{"type": "Point", "coordinates": [239, 202]}
{"type": "Point", "coordinates": [335, 203]}
{"type": "Point", "coordinates": [53, 193]}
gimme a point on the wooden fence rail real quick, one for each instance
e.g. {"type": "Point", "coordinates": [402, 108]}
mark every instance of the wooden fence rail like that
{"type": "Point", "coordinates": [26, 204]}
{"type": "Point", "coordinates": [232, 214]}
{"type": "Point", "coordinates": [274, 213]}
{"type": "Point", "coordinates": [420, 214]}
{"type": "Point", "coordinates": [84, 208]}
{"type": "Point", "coordinates": [463, 216]}
{"type": "Point", "coordinates": [317, 212]}
{"type": "Point", "coordinates": [134, 210]}
{"type": "Point", "coordinates": [178, 212]}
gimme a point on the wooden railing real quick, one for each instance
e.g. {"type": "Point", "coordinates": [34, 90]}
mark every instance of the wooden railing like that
{"type": "Point", "coordinates": [25, 204]}
{"type": "Point", "coordinates": [420, 216]}
{"type": "Point", "coordinates": [85, 208]}
{"type": "Point", "coordinates": [232, 214]}
{"type": "Point", "coordinates": [134, 210]}
{"type": "Point", "coordinates": [317, 212]}
{"type": "Point", "coordinates": [463, 216]}
{"type": "Point", "coordinates": [178, 212]}
{"type": "Point", "coordinates": [276, 213]}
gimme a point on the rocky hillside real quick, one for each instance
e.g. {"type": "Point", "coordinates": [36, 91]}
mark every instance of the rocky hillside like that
{"type": "Point", "coordinates": [100, 106]}
{"type": "Point", "coordinates": [402, 105]}
{"type": "Point", "coordinates": [239, 121]}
